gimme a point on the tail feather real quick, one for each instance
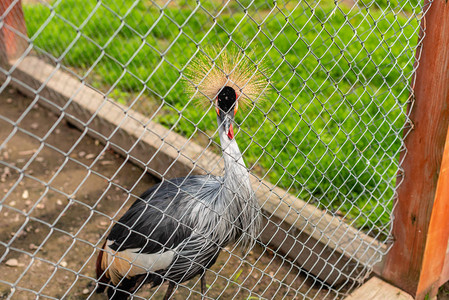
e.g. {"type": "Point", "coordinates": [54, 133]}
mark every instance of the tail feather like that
{"type": "Point", "coordinates": [122, 278]}
{"type": "Point", "coordinates": [102, 276]}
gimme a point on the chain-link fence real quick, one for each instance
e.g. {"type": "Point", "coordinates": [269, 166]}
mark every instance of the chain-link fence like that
{"type": "Point", "coordinates": [321, 140]}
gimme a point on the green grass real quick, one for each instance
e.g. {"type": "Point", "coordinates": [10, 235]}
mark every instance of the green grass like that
{"type": "Point", "coordinates": [331, 130]}
{"type": "Point", "coordinates": [408, 6]}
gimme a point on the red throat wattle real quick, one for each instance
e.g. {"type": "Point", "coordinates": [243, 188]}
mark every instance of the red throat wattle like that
{"type": "Point", "coordinates": [231, 133]}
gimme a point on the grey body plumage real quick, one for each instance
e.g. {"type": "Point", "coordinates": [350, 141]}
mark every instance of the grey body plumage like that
{"type": "Point", "coordinates": [178, 227]}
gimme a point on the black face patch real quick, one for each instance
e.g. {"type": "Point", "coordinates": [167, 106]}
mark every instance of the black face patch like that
{"type": "Point", "coordinates": [226, 99]}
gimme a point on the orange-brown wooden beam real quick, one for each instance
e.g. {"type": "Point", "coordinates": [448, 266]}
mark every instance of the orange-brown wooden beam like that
{"type": "Point", "coordinates": [436, 245]}
{"type": "Point", "coordinates": [445, 272]}
{"type": "Point", "coordinates": [12, 22]}
{"type": "Point", "coordinates": [421, 214]}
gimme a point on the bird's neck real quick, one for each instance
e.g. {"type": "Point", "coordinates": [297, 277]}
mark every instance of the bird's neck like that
{"type": "Point", "coordinates": [239, 203]}
{"type": "Point", "coordinates": [236, 174]}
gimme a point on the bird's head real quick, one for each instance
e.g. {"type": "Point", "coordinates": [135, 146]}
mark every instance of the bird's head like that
{"type": "Point", "coordinates": [226, 107]}
{"type": "Point", "coordinates": [228, 79]}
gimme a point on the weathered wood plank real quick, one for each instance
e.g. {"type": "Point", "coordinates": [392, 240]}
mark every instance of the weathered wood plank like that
{"type": "Point", "coordinates": [425, 143]}
{"type": "Point", "coordinates": [377, 289]}
{"type": "Point", "coordinates": [315, 240]}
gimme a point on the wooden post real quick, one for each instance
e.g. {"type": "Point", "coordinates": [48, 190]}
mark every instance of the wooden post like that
{"type": "Point", "coordinates": [445, 272]}
{"type": "Point", "coordinates": [421, 215]}
{"type": "Point", "coordinates": [12, 45]}
{"type": "Point", "coordinates": [437, 238]}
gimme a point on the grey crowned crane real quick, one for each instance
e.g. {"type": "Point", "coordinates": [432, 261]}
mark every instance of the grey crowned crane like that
{"type": "Point", "coordinates": [177, 228]}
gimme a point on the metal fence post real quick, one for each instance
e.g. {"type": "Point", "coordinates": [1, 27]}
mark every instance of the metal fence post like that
{"type": "Point", "coordinates": [420, 227]}
{"type": "Point", "coordinates": [12, 21]}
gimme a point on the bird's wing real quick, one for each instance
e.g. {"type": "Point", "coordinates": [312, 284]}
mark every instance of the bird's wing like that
{"type": "Point", "coordinates": [193, 256]}
{"type": "Point", "coordinates": [145, 237]}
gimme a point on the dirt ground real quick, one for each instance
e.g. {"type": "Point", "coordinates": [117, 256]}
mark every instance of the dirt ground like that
{"type": "Point", "coordinates": [60, 191]}
{"type": "Point", "coordinates": [443, 292]}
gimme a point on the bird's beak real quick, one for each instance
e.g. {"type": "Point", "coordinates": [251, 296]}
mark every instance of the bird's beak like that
{"type": "Point", "coordinates": [226, 120]}
{"type": "Point", "coordinates": [229, 130]}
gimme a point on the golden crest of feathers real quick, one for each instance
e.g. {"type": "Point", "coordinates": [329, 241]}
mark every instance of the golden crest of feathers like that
{"type": "Point", "coordinates": [211, 71]}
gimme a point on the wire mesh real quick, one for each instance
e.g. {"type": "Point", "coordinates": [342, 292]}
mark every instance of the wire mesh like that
{"type": "Point", "coordinates": [327, 138]}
